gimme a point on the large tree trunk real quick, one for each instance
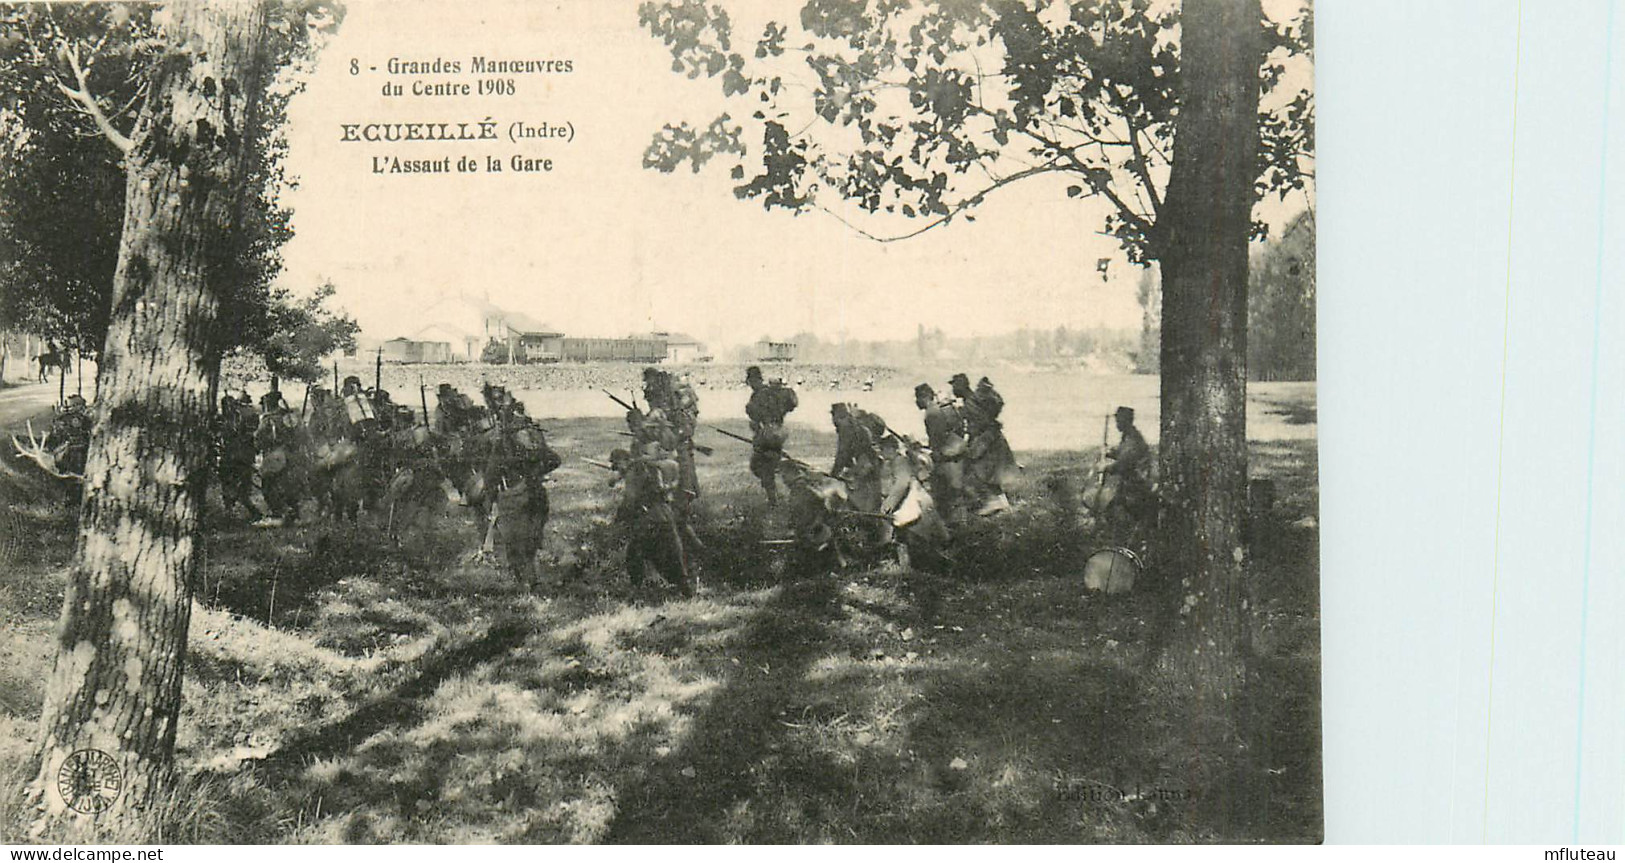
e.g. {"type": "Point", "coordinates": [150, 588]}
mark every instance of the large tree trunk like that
{"type": "Point", "coordinates": [1205, 223]}
{"type": "Point", "coordinates": [116, 685]}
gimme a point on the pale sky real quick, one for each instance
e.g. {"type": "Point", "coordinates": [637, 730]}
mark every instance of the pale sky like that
{"type": "Point", "coordinates": [602, 246]}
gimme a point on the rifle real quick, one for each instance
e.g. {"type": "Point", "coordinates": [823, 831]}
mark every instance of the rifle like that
{"type": "Point", "coordinates": [782, 454]}
{"type": "Point", "coordinates": [423, 397]}
{"type": "Point", "coordinates": [617, 400]}
{"type": "Point", "coordinates": [378, 372]}
{"type": "Point", "coordinates": [304, 401]}
{"type": "Point", "coordinates": [335, 378]}
{"type": "Point", "coordinates": [732, 435]}
{"type": "Point", "coordinates": [595, 463]}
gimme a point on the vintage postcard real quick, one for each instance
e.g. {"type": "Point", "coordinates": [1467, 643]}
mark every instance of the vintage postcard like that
{"type": "Point", "coordinates": [677, 421]}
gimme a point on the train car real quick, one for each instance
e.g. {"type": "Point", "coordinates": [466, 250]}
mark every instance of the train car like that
{"type": "Point", "coordinates": [775, 352]}
{"type": "Point", "coordinates": [581, 350]}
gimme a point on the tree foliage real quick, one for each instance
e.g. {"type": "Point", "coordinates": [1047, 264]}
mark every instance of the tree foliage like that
{"type": "Point", "coordinates": [72, 79]}
{"type": "Point", "coordinates": [1281, 305]}
{"type": "Point", "coordinates": [921, 110]}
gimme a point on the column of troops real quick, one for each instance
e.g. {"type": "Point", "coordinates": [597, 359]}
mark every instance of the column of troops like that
{"type": "Point", "coordinates": [357, 450]}
{"type": "Point", "coordinates": [341, 453]}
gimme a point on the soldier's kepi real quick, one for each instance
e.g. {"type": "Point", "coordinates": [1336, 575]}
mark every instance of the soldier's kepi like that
{"type": "Point", "coordinates": [768, 405]}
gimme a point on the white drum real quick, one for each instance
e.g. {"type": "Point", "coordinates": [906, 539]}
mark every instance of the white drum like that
{"type": "Point", "coordinates": [1112, 570]}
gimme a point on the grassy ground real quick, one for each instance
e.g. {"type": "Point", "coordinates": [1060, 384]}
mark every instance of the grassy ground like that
{"type": "Point", "coordinates": [346, 688]}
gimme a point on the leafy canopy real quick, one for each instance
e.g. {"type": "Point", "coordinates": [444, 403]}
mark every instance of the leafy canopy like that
{"type": "Point", "coordinates": [921, 110]}
{"type": "Point", "coordinates": [72, 81]}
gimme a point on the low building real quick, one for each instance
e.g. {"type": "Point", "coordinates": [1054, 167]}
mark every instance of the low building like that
{"type": "Point", "coordinates": [531, 341]}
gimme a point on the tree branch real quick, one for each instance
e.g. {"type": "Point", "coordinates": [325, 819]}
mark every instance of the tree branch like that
{"type": "Point", "coordinates": [1140, 168]}
{"type": "Point", "coordinates": [954, 211]}
{"type": "Point", "coordinates": [1129, 213]}
{"type": "Point", "coordinates": [87, 103]}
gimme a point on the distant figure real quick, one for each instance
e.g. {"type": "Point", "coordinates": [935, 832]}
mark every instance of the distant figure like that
{"type": "Point", "coordinates": [54, 357]}
{"type": "Point", "coordinates": [1129, 468]}
{"type": "Point", "coordinates": [768, 405]}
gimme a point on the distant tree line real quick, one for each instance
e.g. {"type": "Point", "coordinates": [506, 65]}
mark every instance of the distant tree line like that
{"type": "Point", "coordinates": [1280, 308]}
{"type": "Point", "coordinates": [1061, 344]}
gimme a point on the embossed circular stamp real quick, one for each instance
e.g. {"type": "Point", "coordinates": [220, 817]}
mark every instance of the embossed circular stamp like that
{"type": "Point", "coordinates": [89, 781]}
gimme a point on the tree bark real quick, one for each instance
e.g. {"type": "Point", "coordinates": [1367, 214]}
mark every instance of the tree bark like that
{"type": "Point", "coordinates": [1205, 227]}
{"type": "Point", "coordinates": [116, 684]}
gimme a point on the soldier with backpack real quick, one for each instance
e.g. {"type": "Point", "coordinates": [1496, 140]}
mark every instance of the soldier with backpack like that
{"type": "Point", "coordinates": [769, 404]}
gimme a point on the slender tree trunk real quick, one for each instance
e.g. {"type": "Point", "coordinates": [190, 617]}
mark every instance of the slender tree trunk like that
{"type": "Point", "coordinates": [116, 685]}
{"type": "Point", "coordinates": [1205, 224]}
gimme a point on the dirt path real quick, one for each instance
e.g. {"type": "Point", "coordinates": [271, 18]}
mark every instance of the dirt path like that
{"type": "Point", "coordinates": [18, 403]}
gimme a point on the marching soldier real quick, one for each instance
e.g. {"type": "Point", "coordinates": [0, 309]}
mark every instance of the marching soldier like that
{"type": "Point", "coordinates": [989, 460]}
{"type": "Point", "coordinates": [237, 426]}
{"type": "Point", "coordinates": [769, 404]}
{"type": "Point", "coordinates": [650, 477]}
{"type": "Point", "coordinates": [284, 457]}
{"type": "Point", "coordinates": [683, 410]}
{"type": "Point", "coordinates": [524, 506]}
{"type": "Point", "coordinates": [945, 433]}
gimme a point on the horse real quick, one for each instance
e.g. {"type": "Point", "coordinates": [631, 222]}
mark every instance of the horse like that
{"type": "Point", "coordinates": [54, 358]}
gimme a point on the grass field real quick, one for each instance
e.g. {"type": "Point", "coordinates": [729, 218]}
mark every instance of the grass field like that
{"type": "Point", "coordinates": [346, 688]}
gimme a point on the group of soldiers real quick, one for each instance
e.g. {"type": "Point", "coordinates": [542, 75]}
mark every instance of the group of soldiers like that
{"type": "Point", "coordinates": [356, 449]}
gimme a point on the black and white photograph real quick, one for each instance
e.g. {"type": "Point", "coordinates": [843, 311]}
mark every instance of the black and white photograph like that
{"type": "Point", "coordinates": [659, 422]}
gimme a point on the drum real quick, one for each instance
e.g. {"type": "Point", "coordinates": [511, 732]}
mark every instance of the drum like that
{"type": "Point", "coordinates": [358, 409]}
{"type": "Point", "coordinates": [1112, 570]}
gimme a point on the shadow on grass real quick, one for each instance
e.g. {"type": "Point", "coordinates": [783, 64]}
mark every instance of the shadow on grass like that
{"type": "Point", "coordinates": [737, 731]}
{"type": "Point", "coordinates": [401, 706]}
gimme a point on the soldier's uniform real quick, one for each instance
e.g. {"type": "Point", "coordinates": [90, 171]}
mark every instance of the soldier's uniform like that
{"type": "Point", "coordinates": [285, 457]}
{"type": "Point", "coordinates": [69, 435]}
{"type": "Point", "coordinates": [684, 413]}
{"type": "Point", "coordinates": [651, 479]}
{"type": "Point", "coordinates": [769, 404]}
{"type": "Point", "coordinates": [237, 424]}
{"type": "Point", "coordinates": [524, 505]}
{"type": "Point", "coordinates": [1131, 466]}
{"type": "Point", "coordinates": [989, 461]}
{"type": "Point", "coordinates": [946, 434]}
{"type": "Point", "coordinates": [857, 455]}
